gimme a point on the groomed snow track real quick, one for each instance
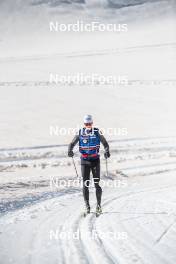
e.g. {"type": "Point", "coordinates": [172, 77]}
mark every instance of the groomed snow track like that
{"type": "Point", "coordinates": [138, 224]}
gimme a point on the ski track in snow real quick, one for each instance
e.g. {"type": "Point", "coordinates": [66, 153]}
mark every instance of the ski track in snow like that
{"type": "Point", "coordinates": [89, 52]}
{"type": "Point", "coordinates": [145, 210]}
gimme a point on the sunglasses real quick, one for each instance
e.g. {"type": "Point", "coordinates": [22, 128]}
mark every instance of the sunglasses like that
{"type": "Point", "coordinates": [88, 124]}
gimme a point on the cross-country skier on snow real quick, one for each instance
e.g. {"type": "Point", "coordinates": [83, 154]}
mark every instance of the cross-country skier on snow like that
{"type": "Point", "coordinates": [89, 139]}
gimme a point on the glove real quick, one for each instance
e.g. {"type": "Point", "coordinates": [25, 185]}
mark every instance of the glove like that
{"type": "Point", "coordinates": [70, 154]}
{"type": "Point", "coordinates": [107, 154]}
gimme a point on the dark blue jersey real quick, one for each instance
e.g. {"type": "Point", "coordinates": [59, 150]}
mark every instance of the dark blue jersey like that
{"type": "Point", "coordinates": [89, 142]}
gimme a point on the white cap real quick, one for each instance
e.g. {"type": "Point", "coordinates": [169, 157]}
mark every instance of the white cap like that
{"type": "Point", "coordinates": [88, 119]}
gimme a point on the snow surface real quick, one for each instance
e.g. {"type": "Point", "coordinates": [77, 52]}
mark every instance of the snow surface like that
{"type": "Point", "coordinates": [140, 210]}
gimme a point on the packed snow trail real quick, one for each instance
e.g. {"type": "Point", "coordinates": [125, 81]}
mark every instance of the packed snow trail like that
{"type": "Point", "coordinates": [138, 224]}
{"type": "Point", "coordinates": [138, 215]}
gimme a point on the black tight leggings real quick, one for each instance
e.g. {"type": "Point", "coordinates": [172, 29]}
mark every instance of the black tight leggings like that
{"type": "Point", "coordinates": [86, 168]}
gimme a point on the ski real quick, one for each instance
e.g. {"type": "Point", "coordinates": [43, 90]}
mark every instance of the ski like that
{"type": "Point", "coordinates": [98, 214]}
{"type": "Point", "coordinates": [85, 214]}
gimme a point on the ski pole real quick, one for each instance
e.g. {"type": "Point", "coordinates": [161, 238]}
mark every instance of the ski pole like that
{"type": "Point", "coordinates": [75, 167]}
{"type": "Point", "coordinates": [107, 168]}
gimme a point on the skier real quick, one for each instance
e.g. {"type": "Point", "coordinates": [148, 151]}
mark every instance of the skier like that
{"type": "Point", "coordinates": [89, 139]}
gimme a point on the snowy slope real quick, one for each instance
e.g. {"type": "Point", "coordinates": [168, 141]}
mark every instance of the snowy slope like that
{"type": "Point", "coordinates": [140, 212]}
{"type": "Point", "coordinates": [25, 27]}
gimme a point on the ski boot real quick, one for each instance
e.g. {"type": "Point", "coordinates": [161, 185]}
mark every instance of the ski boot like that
{"type": "Point", "coordinates": [87, 210]}
{"type": "Point", "coordinates": [98, 210]}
